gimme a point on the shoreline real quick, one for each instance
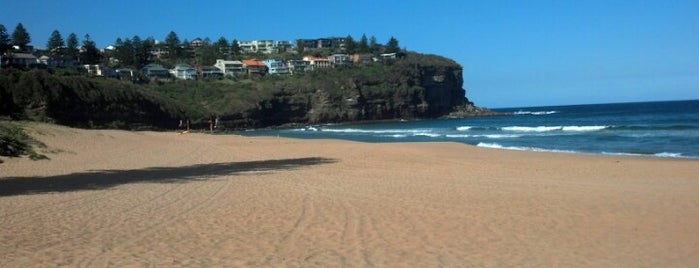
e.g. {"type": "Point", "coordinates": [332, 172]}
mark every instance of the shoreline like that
{"type": "Point", "coordinates": [121, 198]}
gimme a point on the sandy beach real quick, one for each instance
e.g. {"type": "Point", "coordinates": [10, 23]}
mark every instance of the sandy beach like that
{"type": "Point", "coordinates": [111, 198]}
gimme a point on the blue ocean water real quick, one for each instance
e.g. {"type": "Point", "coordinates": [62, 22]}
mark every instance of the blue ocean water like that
{"type": "Point", "coordinates": [659, 129]}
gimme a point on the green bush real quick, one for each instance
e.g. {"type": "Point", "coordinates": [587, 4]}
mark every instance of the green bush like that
{"type": "Point", "coordinates": [14, 142]}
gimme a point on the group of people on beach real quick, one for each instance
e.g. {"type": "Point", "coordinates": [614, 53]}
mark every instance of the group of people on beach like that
{"type": "Point", "coordinates": [185, 124]}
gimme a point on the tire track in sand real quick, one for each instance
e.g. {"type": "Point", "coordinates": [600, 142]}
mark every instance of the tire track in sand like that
{"type": "Point", "coordinates": [210, 192]}
{"type": "Point", "coordinates": [289, 240]}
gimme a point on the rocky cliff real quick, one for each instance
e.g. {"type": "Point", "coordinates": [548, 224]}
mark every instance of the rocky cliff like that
{"type": "Point", "coordinates": [415, 86]}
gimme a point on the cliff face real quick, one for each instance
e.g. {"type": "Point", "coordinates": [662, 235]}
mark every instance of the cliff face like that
{"type": "Point", "coordinates": [418, 86]}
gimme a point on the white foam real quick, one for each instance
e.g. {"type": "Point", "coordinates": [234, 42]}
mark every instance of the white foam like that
{"type": "Point", "coordinates": [669, 155]}
{"type": "Point", "coordinates": [531, 129]}
{"type": "Point", "coordinates": [375, 131]}
{"type": "Point", "coordinates": [517, 148]}
{"type": "Point", "coordinates": [535, 112]}
{"type": "Point", "coordinates": [554, 128]}
{"type": "Point", "coordinates": [490, 145]}
{"type": "Point", "coordinates": [427, 134]}
{"type": "Point", "coordinates": [500, 136]}
{"type": "Point", "coordinates": [583, 128]}
{"type": "Point", "coordinates": [458, 136]}
{"type": "Point", "coordinates": [464, 128]}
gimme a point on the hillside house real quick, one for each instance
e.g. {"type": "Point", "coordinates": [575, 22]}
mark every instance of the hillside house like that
{"type": "Point", "coordinates": [209, 72]}
{"type": "Point", "coordinates": [254, 66]}
{"type": "Point", "coordinates": [126, 74]}
{"type": "Point", "coordinates": [99, 70]}
{"type": "Point", "coordinates": [362, 58]}
{"type": "Point", "coordinates": [20, 60]}
{"type": "Point", "coordinates": [155, 71]}
{"type": "Point", "coordinates": [275, 66]}
{"type": "Point", "coordinates": [254, 46]}
{"type": "Point", "coordinates": [317, 63]}
{"type": "Point", "coordinates": [339, 59]}
{"type": "Point", "coordinates": [230, 67]}
{"type": "Point", "coordinates": [184, 71]}
{"type": "Point", "coordinates": [296, 66]}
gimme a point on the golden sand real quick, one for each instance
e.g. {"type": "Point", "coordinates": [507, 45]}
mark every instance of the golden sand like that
{"type": "Point", "coordinates": [118, 198]}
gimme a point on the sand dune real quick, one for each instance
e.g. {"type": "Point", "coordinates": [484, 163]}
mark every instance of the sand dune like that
{"type": "Point", "coordinates": [117, 198]}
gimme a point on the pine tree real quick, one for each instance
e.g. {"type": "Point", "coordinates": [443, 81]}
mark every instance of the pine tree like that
{"type": "Point", "coordinates": [72, 51]}
{"type": "Point", "coordinates": [363, 46]}
{"type": "Point", "coordinates": [350, 45]}
{"type": "Point", "coordinates": [5, 42]}
{"type": "Point", "coordinates": [90, 54]}
{"type": "Point", "coordinates": [374, 46]}
{"type": "Point", "coordinates": [223, 47]}
{"type": "Point", "coordinates": [300, 49]}
{"type": "Point", "coordinates": [20, 37]}
{"type": "Point", "coordinates": [235, 48]}
{"type": "Point", "coordinates": [55, 43]}
{"type": "Point", "coordinates": [392, 45]}
{"type": "Point", "coordinates": [137, 46]}
{"type": "Point", "coordinates": [172, 42]}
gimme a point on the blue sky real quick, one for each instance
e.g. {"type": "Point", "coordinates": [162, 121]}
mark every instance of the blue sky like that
{"type": "Point", "coordinates": [514, 53]}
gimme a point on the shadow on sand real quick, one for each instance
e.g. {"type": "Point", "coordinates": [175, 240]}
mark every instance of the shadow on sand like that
{"type": "Point", "coordinates": [103, 179]}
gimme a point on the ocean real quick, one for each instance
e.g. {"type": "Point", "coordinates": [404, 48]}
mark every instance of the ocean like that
{"type": "Point", "coordinates": [655, 129]}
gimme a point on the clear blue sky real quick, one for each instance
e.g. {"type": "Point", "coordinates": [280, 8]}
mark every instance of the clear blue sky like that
{"type": "Point", "coordinates": [514, 53]}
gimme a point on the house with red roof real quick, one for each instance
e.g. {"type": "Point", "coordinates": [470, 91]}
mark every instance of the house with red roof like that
{"type": "Point", "coordinates": [254, 66]}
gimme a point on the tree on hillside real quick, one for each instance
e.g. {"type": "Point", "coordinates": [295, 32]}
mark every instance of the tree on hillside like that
{"type": "Point", "coordinates": [90, 53]}
{"type": "Point", "coordinates": [392, 45]}
{"type": "Point", "coordinates": [223, 47]}
{"type": "Point", "coordinates": [5, 42]}
{"type": "Point", "coordinates": [55, 43]}
{"type": "Point", "coordinates": [235, 48]}
{"type": "Point", "coordinates": [144, 51]}
{"type": "Point", "coordinates": [374, 46]}
{"type": "Point", "coordinates": [363, 45]}
{"type": "Point", "coordinates": [350, 45]}
{"type": "Point", "coordinates": [72, 46]}
{"type": "Point", "coordinates": [299, 47]}
{"type": "Point", "coordinates": [124, 52]}
{"type": "Point", "coordinates": [20, 37]}
{"type": "Point", "coordinates": [136, 45]}
{"type": "Point", "coordinates": [172, 43]}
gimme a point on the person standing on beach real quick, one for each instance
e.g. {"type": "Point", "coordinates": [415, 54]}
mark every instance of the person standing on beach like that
{"type": "Point", "coordinates": [211, 123]}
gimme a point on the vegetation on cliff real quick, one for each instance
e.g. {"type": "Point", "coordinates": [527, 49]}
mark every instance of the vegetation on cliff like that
{"type": "Point", "coordinates": [416, 86]}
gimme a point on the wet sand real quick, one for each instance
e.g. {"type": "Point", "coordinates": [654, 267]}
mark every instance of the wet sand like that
{"type": "Point", "coordinates": [118, 198]}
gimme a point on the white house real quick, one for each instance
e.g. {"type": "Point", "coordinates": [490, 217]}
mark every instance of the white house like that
{"type": "Point", "coordinates": [230, 67]}
{"type": "Point", "coordinates": [275, 66]}
{"type": "Point", "coordinates": [317, 63]}
{"type": "Point", "coordinates": [184, 71]}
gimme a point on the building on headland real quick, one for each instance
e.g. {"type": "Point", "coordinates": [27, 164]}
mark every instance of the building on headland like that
{"type": "Point", "coordinates": [254, 66]}
{"type": "Point", "coordinates": [20, 60]}
{"type": "Point", "coordinates": [232, 68]}
{"type": "Point", "coordinates": [339, 60]}
{"type": "Point", "coordinates": [257, 46]}
{"type": "Point", "coordinates": [358, 58]}
{"type": "Point", "coordinates": [99, 70]}
{"type": "Point", "coordinates": [197, 42]}
{"type": "Point", "coordinates": [126, 74]}
{"type": "Point", "coordinates": [317, 63]}
{"type": "Point", "coordinates": [209, 72]}
{"type": "Point", "coordinates": [282, 46]}
{"type": "Point", "coordinates": [155, 71]}
{"type": "Point", "coordinates": [323, 43]}
{"type": "Point", "coordinates": [297, 66]}
{"type": "Point", "coordinates": [184, 71]}
{"type": "Point", "coordinates": [275, 66]}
